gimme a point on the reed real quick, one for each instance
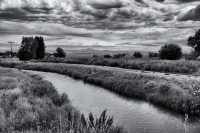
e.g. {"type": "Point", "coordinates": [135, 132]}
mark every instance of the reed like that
{"type": "Point", "coordinates": [30, 104]}
{"type": "Point", "coordinates": [175, 66]}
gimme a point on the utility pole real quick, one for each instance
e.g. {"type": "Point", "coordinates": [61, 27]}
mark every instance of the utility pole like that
{"type": "Point", "coordinates": [11, 42]}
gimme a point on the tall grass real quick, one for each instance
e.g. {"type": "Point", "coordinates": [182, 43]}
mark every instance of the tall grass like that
{"type": "Point", "coordinates": [174, 94]}
{"type": "Point", "coordinates": [30, 104]}
{"type": "Point", "coordinates": [179, 66]}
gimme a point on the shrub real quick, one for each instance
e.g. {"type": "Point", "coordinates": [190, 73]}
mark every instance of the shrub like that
{"type": "Point", "coordinates": [114, 64]}
{"type": "Point", "coordinates": [191, 56]}
{"type": "Point", "coordinates": [137, 55]}
{"type": "Point", "coordinates": [170, 52]}
{"type": "Point", "coordinates": [117, 56]}
{"type": "Point", "coordinates": [107, 56]}
{"type": "Point", "coordinates": [151, 55]}
{"type": "Point", "coordinates": [95, 56]}
{"type": "Point", "coordinates": [60, 53]}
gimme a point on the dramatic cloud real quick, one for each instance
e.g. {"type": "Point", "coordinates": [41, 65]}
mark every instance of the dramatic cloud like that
{"type": "Point", "coordinates": [192, 14]}
{"type": "Point", "coordinates": [187, 1]}
{"type": "Point", "coordinates": [107, 5]}
{"type": "Point", "coordinates": [117, 21]}
{"type": "Point", "coordinates": [160, 0]}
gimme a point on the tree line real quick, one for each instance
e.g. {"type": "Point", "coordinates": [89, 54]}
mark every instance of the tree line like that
{"type": "Point", "coordinates": [34, 48]}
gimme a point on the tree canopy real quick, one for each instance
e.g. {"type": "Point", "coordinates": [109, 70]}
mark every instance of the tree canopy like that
{"type": "Point", "coordinates": [28, 48]}
{"type": "Point", "coordinates": [40, 52]}
{"type": "Point", "coordinates": [194, 42]}
{"type": "Point", "coordinates": [170, 52]}
{"type": "Point", "coordinates": [60, 53]}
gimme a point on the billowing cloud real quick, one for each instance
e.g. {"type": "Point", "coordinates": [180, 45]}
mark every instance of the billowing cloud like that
{"type": "Point", "coordinates": [160, 0]}
{"type": "Point", "coordinates": [192, 14]}
{"type": "Point", "coordinates": [107, 5]}
{"type": "Point", "coordinates": [139, 21]}
{"type": "Point", "coordinates": [187, 1]}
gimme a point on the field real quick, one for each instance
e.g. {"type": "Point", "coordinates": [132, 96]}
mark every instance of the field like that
{"type": "Point", "coordinates": [181, 95]}
{"type": "Point", "coordinates": [129, 62]}
{"type": "Point", "coordinates": [30, 104]}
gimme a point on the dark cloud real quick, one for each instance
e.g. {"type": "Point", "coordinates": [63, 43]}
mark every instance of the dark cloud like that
{"type": "Point", "coordinates": [139, 1]}
{"type": "Point", "coordinates": [24, 14]}
{"type": "Point", "coordinates": [160, 0]}
{"type": "Point", "coordinates": [96, 14]}
{"type": "Point", "coordinates": [168, 18]}
{"type": "Point", "coordinates": [192, 14]}
{"type": "Point", "coordinates": [107, 5]}
{"type": "Point", "coordinates": [12, 13]}
{"type": "Point", "coordinates": [186, 1]}
{"type": "Point", "coordinates": [44, 10]}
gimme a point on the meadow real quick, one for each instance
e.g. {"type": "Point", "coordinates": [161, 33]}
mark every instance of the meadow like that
{"type": "Point", "coordinates": [128, 62]}
{"type": "Point", "coordinates": [30, 104]}
{"type": "Point", "coordinates": [182, 96]}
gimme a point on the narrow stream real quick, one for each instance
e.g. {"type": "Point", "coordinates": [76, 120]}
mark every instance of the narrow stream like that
{"type": "Point", "coordinates": [135, 115]}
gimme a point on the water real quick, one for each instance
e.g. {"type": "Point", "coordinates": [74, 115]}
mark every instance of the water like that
{"type": "Point", "coordinates": [135, 115]}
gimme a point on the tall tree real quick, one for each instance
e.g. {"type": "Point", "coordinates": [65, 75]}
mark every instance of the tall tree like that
{"type": "Point", "coordinates": [28, 48]}
{"type": "Point", "coordinates": [40, 52]}
{"type": "Point", "coordinates": [194, 42]}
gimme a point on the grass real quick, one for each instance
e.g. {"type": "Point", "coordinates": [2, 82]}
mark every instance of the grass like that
{"type": "Point", "coordinates": [29, 104]}
{"type": "Point", "coordinates": [179, 95]}
{"type": "Point", "coordinates": [179, 66]}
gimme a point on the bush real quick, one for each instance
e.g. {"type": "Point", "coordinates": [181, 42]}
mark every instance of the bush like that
{"type": "Point", "coordinates": [191, 56]}
{"type": "Point", "coordinates": [117, 56]}
{"type": "Point", "coordinates": [107, 56]}
{"type": "Point", "coordinates": [151, 55]}
{"type": "Point", "coordinates": [170, 52]}
{"type": "Point", "coordinates": [137, 55]}
{"type": "Point", "coordinates": [60, 53]}
{"type": "Point", "coordinates": [95, 56]}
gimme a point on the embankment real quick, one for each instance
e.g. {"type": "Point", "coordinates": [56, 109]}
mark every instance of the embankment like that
{"type": "Point", "coordinates": [30, 104]}
{"type": "Point", "coordinates": [178, 95]}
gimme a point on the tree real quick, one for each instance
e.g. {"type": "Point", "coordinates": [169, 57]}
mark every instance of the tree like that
{"type": "Point", "coordinates": [107, 56]}
{"type": "Point", "coordinates": [60, 53]}
{"type": "Point", "coordinates": [194, 42]}
{"type": "Point", "coordinates": [170, 52]}
{"type": "Point", "coordinates": [137, 55]}
{"type": "Point", "coordinates": [151, 55]}
{"type": "Point", "coordinates": [28, 48]}
{"type": "Point", "coordinates": [117, 56]}
{"type": "Point", "coordinates": [40, 52]}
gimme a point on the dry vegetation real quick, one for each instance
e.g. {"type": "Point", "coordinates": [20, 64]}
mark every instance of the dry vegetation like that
{"type": "Point", "coordinates": [178, 95]}
{"type": "Point", "coordinates": [29, 104]}
{"type": "Point", "coordinates": [178, 66]}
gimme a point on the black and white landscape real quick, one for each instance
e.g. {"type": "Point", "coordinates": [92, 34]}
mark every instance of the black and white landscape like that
{"type": "Point", "coordinates": [99, 66]}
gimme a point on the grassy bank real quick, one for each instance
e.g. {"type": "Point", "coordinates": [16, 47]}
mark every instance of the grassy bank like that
{"type": "Point", "coordinates": [178, 95]}
{"type": "Point", "coordinates": [30, 104]}
{"type": "Point", "coordinates": [178, 66]}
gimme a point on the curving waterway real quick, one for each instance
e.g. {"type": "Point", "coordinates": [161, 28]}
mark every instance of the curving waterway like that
{"type": "Point", "coordinates": [135, 115]}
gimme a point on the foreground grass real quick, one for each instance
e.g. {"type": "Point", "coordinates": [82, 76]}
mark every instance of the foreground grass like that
{"type": "Point", "coordinates": [30, 104]}
{"type": "Point", "coordinates": [178, 66]}
{"type": "Point", "coordinates": [179, 95]}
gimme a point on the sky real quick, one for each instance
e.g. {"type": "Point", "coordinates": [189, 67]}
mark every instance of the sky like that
{"type": "Point", "coordinates": [141, 24]}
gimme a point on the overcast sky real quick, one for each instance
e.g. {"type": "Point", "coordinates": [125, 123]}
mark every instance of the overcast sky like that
{"type": "Point", "coordinates": [147, 23]}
